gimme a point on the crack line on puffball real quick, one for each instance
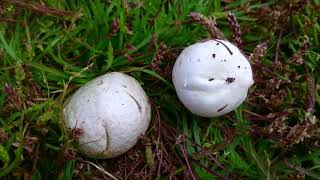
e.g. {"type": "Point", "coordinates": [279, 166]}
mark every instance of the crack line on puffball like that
{"type": "Point", "coordinates": [91, 141]}
{"type": "Point", "coordinates": [136, 101]}
{"type": "Point", "coordinates": [231, 53]}
{"type": "Point", "coordinates": [107, 136]}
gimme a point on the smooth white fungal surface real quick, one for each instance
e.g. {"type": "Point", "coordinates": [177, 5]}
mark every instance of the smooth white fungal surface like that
{"type": "Point", "coordinates": [212, 78]}
{"type": "Point", "coordinates": [113, 111]}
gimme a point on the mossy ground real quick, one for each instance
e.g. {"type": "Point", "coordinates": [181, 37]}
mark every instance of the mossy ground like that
{"type": "Point", "coordinates": [49, 48]}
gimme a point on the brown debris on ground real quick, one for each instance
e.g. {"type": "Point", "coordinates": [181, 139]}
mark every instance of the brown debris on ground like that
{"type": "Point", "coordinates": [42, 9]}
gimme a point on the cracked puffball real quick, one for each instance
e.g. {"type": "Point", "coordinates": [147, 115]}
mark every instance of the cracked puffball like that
{"type": "Point", "coordinates": [212, 78]}
{"type": "Point", "coordinates": [112, 110]}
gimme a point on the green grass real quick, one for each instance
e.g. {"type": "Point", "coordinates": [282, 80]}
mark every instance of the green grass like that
{"type": "Point", "coordinates": [44, 58]}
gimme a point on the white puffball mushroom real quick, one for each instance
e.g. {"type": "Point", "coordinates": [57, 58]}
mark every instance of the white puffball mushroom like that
{"type": "Point", "coordinates": [113, 111]}
{"type": "Point", "coordinates": [212, 78]}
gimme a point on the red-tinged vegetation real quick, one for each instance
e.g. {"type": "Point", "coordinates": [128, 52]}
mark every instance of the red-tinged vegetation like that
{"type": "Point", "coordinates": [208, 23]}
{"type": "Point", "coordinates": [235, 26]}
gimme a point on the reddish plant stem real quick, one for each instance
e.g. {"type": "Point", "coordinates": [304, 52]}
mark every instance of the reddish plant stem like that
{"type": "Point", "coordinates": [132, 170]}
{"type": "Point", "coordinates": [207, 169]}
{"type": "Point", "coordinates": [39, 8]}
{"type": "Point", "coordinates": [205, 152]}
{"type": "Point", "coordinates": [277, 62]}
{"type": "Point", "coordinates": [183, 149]}
{"type": "Point", "coordinates": [160, 162]}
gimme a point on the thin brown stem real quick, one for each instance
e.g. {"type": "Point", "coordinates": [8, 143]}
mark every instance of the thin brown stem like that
{"type": "Point", "coordinates": [182, 145]}
{"type": "Point", "coordinates": [38, 8]}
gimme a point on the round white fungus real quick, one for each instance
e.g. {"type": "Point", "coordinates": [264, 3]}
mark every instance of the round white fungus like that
{"type": "Point", "coordinates": [113, 111]}
{"type": "Point", "coordinates": [212, 78]}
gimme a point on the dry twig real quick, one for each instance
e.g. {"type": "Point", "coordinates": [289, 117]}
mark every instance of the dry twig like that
{"type": "Point", "coordinates": [39, 8]}
{"type": "Point", "coordinates": [102, 170]}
